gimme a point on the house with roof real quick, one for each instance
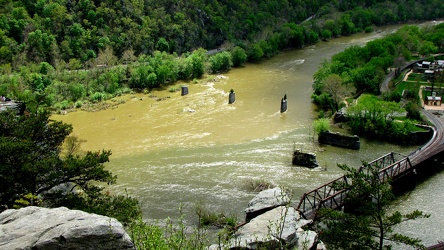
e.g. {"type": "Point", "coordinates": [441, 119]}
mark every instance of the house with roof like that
{"type": "Point", "coordinates": [433, 100]}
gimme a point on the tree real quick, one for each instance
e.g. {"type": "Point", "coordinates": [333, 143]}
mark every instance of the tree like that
{"type": "Point", "coordinates": [31, 163]}
{"type": "Point", "coordinates": [162, 45]}
{"type": "Point", "coordinates": [239, 57]}
{"type": "Point", "coordinates": [321, 125]}
{"type": "Point", "coordinates": [256, 52]}
{"type": "Point", "coordinates": [427, 48]}
{"type": "Point", "coordinates": [368, 225]}
{"type": "Point", "coordinates": [106, 58]}
{"type": "Point", "coordinates": [198, 62]}
{"type": "Point", "coordinates": [41, 46]}
{"type": "Point", "coordinates": [220, 62]}
{"type": "Point", "coordinates": [337, 89]}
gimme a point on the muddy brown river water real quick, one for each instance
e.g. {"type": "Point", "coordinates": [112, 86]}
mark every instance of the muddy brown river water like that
{"type": "Point", "coordinates": [200, 149]}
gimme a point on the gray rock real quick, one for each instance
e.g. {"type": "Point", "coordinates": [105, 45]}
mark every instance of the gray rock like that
{"type": "Point", "coordinates": [304, 159]}
{"type": "Point", "coordinates": [265, 201]}
{"type": "Point", "coordinates": [60, 228]}
{"type": "Point", "coordinates": [272, 228]}
{"type": "Point", "coordinates": [306, 239]}
{"type": "Point", "coordinates": [321, 246]}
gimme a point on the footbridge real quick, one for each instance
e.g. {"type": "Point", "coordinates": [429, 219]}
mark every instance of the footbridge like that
{"type": "Point", "coordinates": [392, 166]}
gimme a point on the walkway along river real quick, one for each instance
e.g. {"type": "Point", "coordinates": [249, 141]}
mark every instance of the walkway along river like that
{"type": "Point", "coordinates": [198, 148]}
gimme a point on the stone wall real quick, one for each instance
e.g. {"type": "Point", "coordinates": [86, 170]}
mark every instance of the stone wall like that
{"type": "Point", "coordinates": [338, 140]}
{"type": "Point", "coordinates": [421, 137]}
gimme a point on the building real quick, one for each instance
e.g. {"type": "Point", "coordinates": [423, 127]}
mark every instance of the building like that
{"type": "Point", "coordinates": [434, 100]}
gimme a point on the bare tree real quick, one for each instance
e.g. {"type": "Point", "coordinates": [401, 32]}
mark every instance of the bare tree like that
{"type": "Point", "coordinates": [335, 87]}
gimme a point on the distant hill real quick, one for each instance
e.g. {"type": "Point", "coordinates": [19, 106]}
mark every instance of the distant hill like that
{"type": "Point", "coordinates": [75, 31]}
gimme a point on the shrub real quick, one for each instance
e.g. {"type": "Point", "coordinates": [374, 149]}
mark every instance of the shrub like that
{"type": "Point", "coordinates": [78, 104]}
{"type": "Point", "coordinates": [321, 125]}
{"type": "Point", "coordinates": [98, 96]}
{"type": "Point", "coordinates": [239, 56]}
{"type": "Point", "coordinates": [208, 217]}
{"type": "Point", "coordinates": [258, 185]}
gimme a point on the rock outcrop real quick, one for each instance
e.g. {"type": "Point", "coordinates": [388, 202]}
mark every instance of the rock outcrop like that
{"type": "Point", "coordinates": [265, 201]}
{"type": "Point", "coordinates": [304, 159]}
{"type": "Point", "coordinates": [60, 228]}
{"type": "Point", "coordinates": [280, 227]}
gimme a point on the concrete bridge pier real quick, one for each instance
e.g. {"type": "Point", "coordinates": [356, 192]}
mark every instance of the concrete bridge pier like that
{"type": "Point", "coordinates": [284, 104]}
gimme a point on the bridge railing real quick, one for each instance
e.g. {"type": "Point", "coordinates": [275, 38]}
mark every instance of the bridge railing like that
{"type": "Point", "coordinates": [332, 195]}
{"type": "Point", "coordinates": [383, 161]}
{"type": "Point", "coordinates": [395, 170]}
{"type": "Point", "coordinates": [314, 199]}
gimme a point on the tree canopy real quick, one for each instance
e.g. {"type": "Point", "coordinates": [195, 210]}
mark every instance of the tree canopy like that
{"type": "Point", "coordinates": [35, 169]}
{"type": "Point", "coordinates": [369, 224]}
{"type": "Point", "coordinates": [30, 160]}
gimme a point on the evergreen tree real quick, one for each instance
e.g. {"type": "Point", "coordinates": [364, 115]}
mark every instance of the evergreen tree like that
{"type": "Point", "coordinates": [369, 224]}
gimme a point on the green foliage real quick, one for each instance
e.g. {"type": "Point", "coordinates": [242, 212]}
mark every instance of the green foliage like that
{"type": "Point", "coordinates": [413, 111]}
{"type": "Point", "coordinates": [256, 52]}
{"type": "Point", "coordinates": [30, 161]}
{"type": "Point", "coordinates": [27, 200]}
{"type": "Point", "coordinates": [258, 185]}
{"type": "Point", "coordinates": [76, 91]}
{"type": "Point", "coordinates": [322, 100]}
{"type": "Point", "coordinates": [198, 63]}
{"type": "Point", "coordinates": [368, 225]}
{"type": "Point", "coordinates": [174, 235]}
{"type": "Point", "coordinates": [391, 96]}
{"type": "Point", "coordinates": [162, 45]}
{"type": "Point", "coordinates": [98, 97]}
{"type": "Point", "coordinates": [209, 217]}
{"type": "Point", "coordinates": [321, 125]}
{"type": "Point", "coordinates": [68, 42]}
{"type": "Point", "coordinates": [147, 236]}
{"type": "Point", "coordinates": [374, 118]}
{"type": "Point", "coordinates": [121, 207]}
{"type": "Point", "coordinates": [220, 62]}
{"type": "Point", "coordinates": [239, 57]}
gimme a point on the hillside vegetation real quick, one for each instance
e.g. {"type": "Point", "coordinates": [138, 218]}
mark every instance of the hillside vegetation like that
{"type": "Point", "coordinates": [63, 53]}
{"type": "Point", "coordinates": [66, 30]}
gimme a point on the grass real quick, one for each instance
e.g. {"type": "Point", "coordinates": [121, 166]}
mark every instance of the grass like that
{"type": "Point", "coordinates": [208, 217]}
{"type": "Point", "coordinates": [257, 185]}
{"type": "Point", "coordinates": [174, 89]}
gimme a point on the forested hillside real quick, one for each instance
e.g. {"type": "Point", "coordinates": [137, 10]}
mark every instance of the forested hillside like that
{"type": "Point", "coordinates": [54, 30]}
{"type": "Point", "coordinates": [44, 44]}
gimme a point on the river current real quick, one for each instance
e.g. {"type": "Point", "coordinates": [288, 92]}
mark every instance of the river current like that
{"type": "Point", "coordinates": [185, 150]}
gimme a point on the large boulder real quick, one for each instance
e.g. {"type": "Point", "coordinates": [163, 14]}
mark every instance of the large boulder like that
{"type": "Point", "coordinates": [60, 228]}
{"type": "Point", "coordinates": [304, 159]}
{"type": "Point", "coordinates": [265, 201]}
{"type": "Point", "coordinates": [282, 225]}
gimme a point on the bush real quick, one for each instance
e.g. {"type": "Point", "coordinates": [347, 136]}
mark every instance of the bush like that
{"type": "Point", "coordinates": [239, 57]}
{"type": "Point", "coordinates": [321, 125]}
{"type": "Point", "coordinates": [76, 91]}
{"type": "Point", "coordinates": [63, 105]}
{"type": "Point", "coordinates": [208, 217]}
{"type": "Point", "coordinates": [175, 235]}
{"type": "Point", "coordinates": [258, 185]}
{"type": "Point", "coordinates": [220, 62]}
{"type": "Point", "coordinates": [121, 207]}
{"type": "Point", "coordinates": [78, 104]}
{"type": "Point", "coordinates": [98, 96]}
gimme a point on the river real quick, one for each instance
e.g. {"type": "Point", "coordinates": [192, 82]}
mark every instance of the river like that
{"type": "Point", "coordinates": [197, 148]}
